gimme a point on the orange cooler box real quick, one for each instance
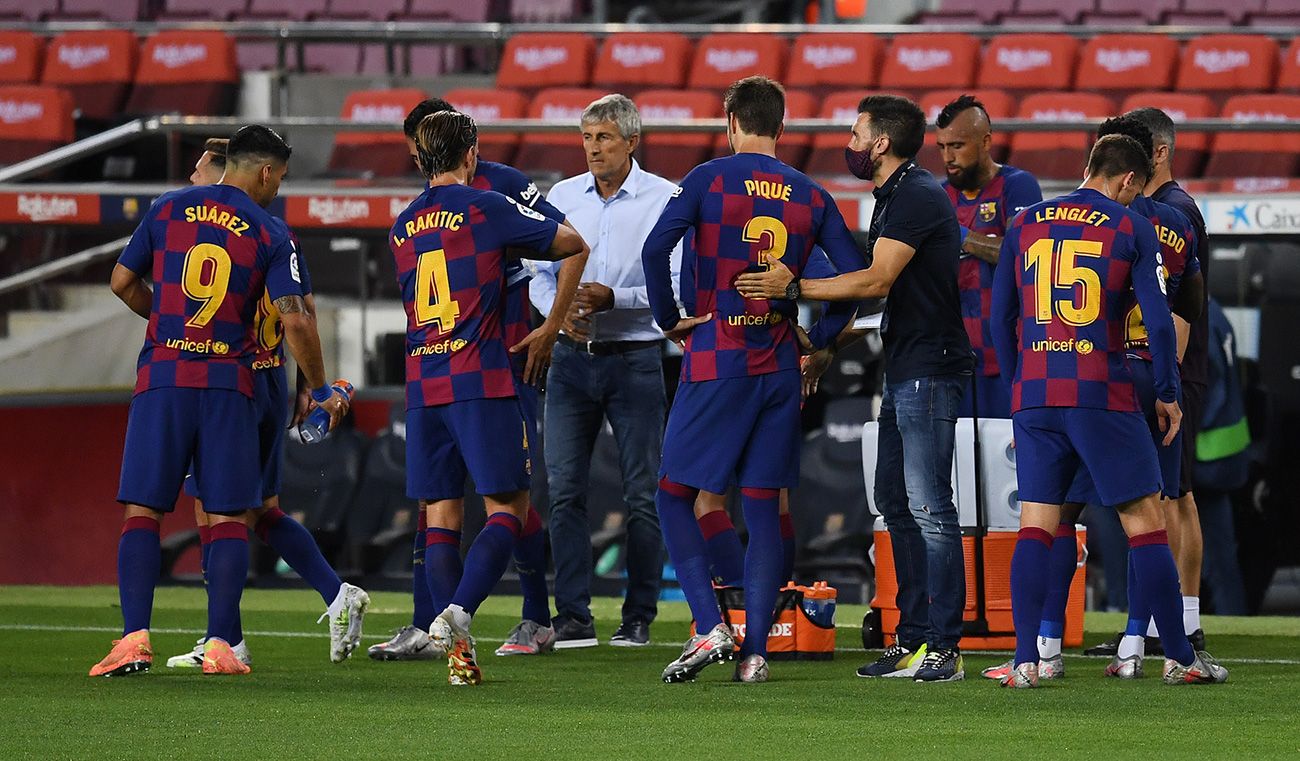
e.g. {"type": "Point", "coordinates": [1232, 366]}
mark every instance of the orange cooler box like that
{"type": "Point", "coordinates": [803, 627]}
{"type": "Point", "coordinates": [998, 547]}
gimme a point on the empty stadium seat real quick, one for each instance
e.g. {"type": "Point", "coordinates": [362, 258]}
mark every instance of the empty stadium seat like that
{"type": "Point", "coordinates": [96, 67]}
{"type": "Point", "coordinates": [827, 154]}
{"type": "Point", "coordinates": [450, 10]}
{"type": "Point", "coordinates": [107, 10]}
{"type": "Point", "coordinates": [1256, 154]}
{"type": "Point", "coordinates": [1189, 147]}
{"type": "Point", "coordinates": [631, 62]}
{"type": "Point", "coordinates": [794, 146]}
{"type": "Point", "coordinates": [28, 10]}
{"type": "Point", "coordinates": [543, 11]}
{"type": "Point", "coordinates": [532, 62]}
{"type": "Point", "coordinates": [1288, 78]}
{"type": "Point", "coordinates": [1020, 62]}
{"type": "Point", "coordinates": [373, 10]}
{"type": "Point", "coordinates": [556, 152]}
{"type": "Point", "coordinates": [293, 10]}
{"type": "Point", "coordinates": [1235, 11]}
{"type": "Point", "coordinates": [1152, 11]}
{"type": "Point", "coordinates": [721, 59]}
{"type": "Point", "coordinates": [20, 57]}
{"type": "Point", "coordinates": [1227, 64]}
{"type": "Point", "coordinates": [997, 103]}
{"type": "Point", "coordinates": [920, 62]}
{"type": "Point", "coordinates": [968, 11]}
{"type": "Point", "coordinates": [185, 72]}
{"type": "Point", "coordinates": [1048, 11]}
{"type": "Point", "coordinates": [1057, 155]}
{"type": "Point", "coordinates": [1278, 13]}
{"type": "Point", "coordinates": [673, 154]}
{"type": "Point", "coordinates": [822, 63]}
{"type": "Point", "coordinates": [33, 119]}
{"type": "Point", "coordinates": [488, 106]}
{"type": "Point", "coordinates": [1125, 63]}
{"type": "Point", "coordinates": [377, 154]}
{"type": "Point", "coordinates": [218, 10]}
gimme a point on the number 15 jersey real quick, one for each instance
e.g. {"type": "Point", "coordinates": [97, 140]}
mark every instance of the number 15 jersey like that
{"type": "Point", "coordinates": [1063, 283]}
{"type": "Point", "coordinates": [449, 246]}
{"type": "Point", "coordinates": [212, 253]}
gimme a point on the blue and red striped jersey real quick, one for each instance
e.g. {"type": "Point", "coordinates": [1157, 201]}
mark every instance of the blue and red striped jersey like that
{"type": "Point", "coordinates": [1177, 254]}
{"type": "Point", "coordinates": [449, 247]}
{"type": "Point", "coordinates": [987, 213]}
{"type": "Point", "coordinates": [268, 329]}
{"type": "Point", "coordinates": [1063, 284]}
{"type": "Point", "coordinates": [744, 210]}
{"type": "Point", "coordinates": [211, 252]}
{"type": "Point", "coordinates": [514, 184]}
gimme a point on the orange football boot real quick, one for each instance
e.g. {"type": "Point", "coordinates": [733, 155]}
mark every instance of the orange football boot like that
{"type": "Point", "coordinates": [130, 655]}
{"type": "Point", "coordinates": [220, 658]}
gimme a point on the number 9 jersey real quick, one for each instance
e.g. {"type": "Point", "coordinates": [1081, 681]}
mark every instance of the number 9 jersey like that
{"type": "Point", "coordinates": [211, 253]}
{"type": "Point", "coordinates": [449, 247]}
{"type": "Point", "coordinates": [1063, 284]}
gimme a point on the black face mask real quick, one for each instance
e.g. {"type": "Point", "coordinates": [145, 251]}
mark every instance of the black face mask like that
{"type": "Point", "coordinates": [860, 163]}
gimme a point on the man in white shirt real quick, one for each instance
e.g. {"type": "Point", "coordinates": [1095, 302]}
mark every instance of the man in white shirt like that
{"type": "Point", "coordinates": [607, 363]}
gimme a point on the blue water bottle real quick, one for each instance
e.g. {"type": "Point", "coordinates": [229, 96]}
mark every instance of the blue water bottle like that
{"type": "Point", "coordinates": [317, 425]}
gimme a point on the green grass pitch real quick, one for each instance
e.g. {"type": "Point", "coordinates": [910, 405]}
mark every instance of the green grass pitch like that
{"type": "Point", "coordinates": [604, 702]}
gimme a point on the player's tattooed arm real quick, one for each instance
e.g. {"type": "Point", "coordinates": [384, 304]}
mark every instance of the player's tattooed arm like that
{"type": "Point", "coordinates": [291, 304]}
{"type": "Point", "coordinates": [132, 290]}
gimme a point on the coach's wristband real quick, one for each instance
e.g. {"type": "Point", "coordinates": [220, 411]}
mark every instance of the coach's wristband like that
{"type": "Point", "coordinates": [322, 394]}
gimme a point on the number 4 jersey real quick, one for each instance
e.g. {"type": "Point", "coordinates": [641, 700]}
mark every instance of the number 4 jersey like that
{"type": "Point", "coordinates": [449, 246]}
{"type": "Point", "coordinates": [211, 253]}
{"type": "Point", "coordinates": [1063, 283]}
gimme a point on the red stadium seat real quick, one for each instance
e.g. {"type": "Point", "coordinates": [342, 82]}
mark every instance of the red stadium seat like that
{"type": "Point", "coordinates": [673, 154]}
{"type": "Point", "coordinates": [721, 59]}
{"type": "Point", "coordinates": [823, 63]}
{"type": "Point", "coordinates": [1189, 147]}
{"type": "Point", "coordinates": [378, 154]}
{"type": "Point", "coordinates": [1058, 155]}
{"type": "Point", "coordinates": [1126, 63]}
{"type": "Point", "coordinates": [827, 155]}
{"type": "Point", "coordinates": [107, 10]}
{"type": "Point", "coordinates": [1227, 64]}
{"type": "Point", "coordinates": [557, 152]}
{"type": "Point", "coordinates": [631, 62]}
{"type": "Point", "coordinates": [997, 103]}
{"type": "Point", "coordinates": [218, 10]}
{"type": "Point", "coordinates": [1257, 154]}
{"type": "Point", "coordinates": [33, 119]}
{"type": "Point", "coordinates": [532, 62]}
{"type": "Point", "coordinates": [488, 106]}
{"type": "Point", "coordinates": [28, 10]}
{"type": "Point", "coordinates": [1288, 79]}
{"type": "Point", "coordinates": [920, 62]}
{"type": "Point", "coordinates": [185, 72]}
{"type": "Point", "coordinates": [793, 147]}
{"type": "Point", "coordinates": [96, 67]}
{"type": "Point", "coordinates": [20, 57]}
{"type": "Point", "coordinates": [1019, 62]}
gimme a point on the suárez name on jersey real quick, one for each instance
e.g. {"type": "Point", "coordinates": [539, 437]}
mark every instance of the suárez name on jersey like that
{"type": "Point", "coordinates": [1071, 214]}
{"type": "Point", "coordinates": [214, 216]}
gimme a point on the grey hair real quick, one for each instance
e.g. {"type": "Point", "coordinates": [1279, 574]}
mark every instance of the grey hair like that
{"type": "Point", "coordinates": [1161, 126]}
{"type": "Point", "coordinates": [615, 108]}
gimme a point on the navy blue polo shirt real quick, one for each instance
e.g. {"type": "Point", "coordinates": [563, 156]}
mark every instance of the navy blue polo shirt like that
{"type": "Point", "coordinates": [1195, 364]}
{"type": "Point", "coordinates": [922, 327]}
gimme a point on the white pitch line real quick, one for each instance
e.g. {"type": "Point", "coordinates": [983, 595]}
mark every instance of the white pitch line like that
{"type": "Point", "coordinates": [324, 634]}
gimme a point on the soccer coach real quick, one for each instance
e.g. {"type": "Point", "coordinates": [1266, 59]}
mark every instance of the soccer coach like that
{"type": "Point", "coordinates": [914, 244]}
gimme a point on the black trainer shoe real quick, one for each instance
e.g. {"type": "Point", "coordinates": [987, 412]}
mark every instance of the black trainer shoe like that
{"type": "Point", "coordinates": [632, 633]}
{"type": "Point", "coordinates": [944, 665]}
{"type": "Point", "coordinates": [571, 633]}
{"type": "Point", "coordinates": [1107, 649]}
{"type": "Point", "coordinates": [897, 662]}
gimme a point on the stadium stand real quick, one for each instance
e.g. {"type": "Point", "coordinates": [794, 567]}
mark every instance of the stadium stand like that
{"type": "Point", "coordinates": [968, 12]}
{"type": "Point", "coordinates": [1048, 11]}
{"type": "Point", "coordinates": [827, 154]}
{"type": "Point", "coordinates": [1027, 62]}
{"type": "Point", "coordinates": [632, 62]}
{"type": "Point", "coordinates": [556, 153]}
{"type": "Point", "coordinates": [1131, 11]}
{"type": "Point", "coordinates": [1288, 76]}
{"type": "Point", "coordinates": [1223, 65]}
{"type": "Point", "coordinates": [825, 62]}
{"type": "Point", "coordinates": [543, 11]}
{"type": "Point", "coordinates": [673, 154]}
{"type": "Point", "coordinates": [377, 154]}
{"type": "Point", "coordinates": [293, 10]}
{"type": "Point", "coordinates": [105, 10]}
{"type": "Point", "coordinates": [33, 119]}
{"type": "Point", "coordinates": [488, 106]}
{"type": "Point", "coordinates": [721, 59]}
{"type": "Point", "coordinates": [1057, 154]}
{"type": "Point", "coordinates": [97, 68]}
{"type": "Point", "coordinates": [185, 72]}
{"type": "Point", "coordinates": [1190, 147]}
{"type": "Point", "coordinates": [449, 10]}
{"type": "Point", "coordinates": [1257, 154]}
{"type": "Point", "coordinates": [28, 10]}
{"type": "Point", "coordinates": [1278, 13]}
{"type": "Point", "coordinates": [1120, 64]}
{"type": "Point", "coordinates": [919, 62]}
{"type": "Point", "coordinates": [188, 10]}
{"type": "Point", "coordinates": [794, 146]}
{"type": "Point", "coordinates": [20, 57]}
{"type": "Point", "coordinates": [533, 62]}
{"type": "Point", "coordinates": [1206, 12]}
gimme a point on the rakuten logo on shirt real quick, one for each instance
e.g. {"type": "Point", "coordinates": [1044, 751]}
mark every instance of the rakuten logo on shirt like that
{"type": "Point", "coordinates": [731, 60]}
{"type": "Point", "coordinates": [536, 59]}
{"type": "Point", "coordinates": [924, 59]}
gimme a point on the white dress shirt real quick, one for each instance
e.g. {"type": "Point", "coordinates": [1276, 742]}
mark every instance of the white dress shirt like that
{"type": "Point", "coordinates": [616, 229]}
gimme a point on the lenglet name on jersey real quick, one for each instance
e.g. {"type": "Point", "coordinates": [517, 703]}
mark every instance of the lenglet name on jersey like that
{"type": "Point", "coordinates": [1071, 214]}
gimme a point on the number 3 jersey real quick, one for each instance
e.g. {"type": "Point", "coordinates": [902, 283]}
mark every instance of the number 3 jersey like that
{"type": "Point", "coordinates": [745, 210]}
{"type": "Point", "coordinates": [1063, 283]}
{"type": "Point", "coordinates": [449, 247]}
{"type": "Point", "coordinates": [211, 253]}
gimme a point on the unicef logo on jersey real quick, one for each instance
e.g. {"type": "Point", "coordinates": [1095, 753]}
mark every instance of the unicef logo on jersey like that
{"type": "Point", "coordinates": [527, 212]}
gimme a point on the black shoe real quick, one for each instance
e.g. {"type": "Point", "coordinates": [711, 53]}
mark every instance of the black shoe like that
{"type": "Point", "coordinates": [1152, 646]}
{"type": "Point", "coordinates": [571, 633]}
{"type": "Point", "coordinates": [632, 633]}
{"type": "Point", "coordinates": [1107, 649]}
{"type": "Point", "coordinates": [1197, 638]}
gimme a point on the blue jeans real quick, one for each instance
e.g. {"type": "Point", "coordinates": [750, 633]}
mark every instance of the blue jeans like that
{"type": "Point", "coordinates": [1220, 566]}
{"type": "Point", "coordinates": [581, 390]}
{"type": "Point", "coordinates": [918, 422]}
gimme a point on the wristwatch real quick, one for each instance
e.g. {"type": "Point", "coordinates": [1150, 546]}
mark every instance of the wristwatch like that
{"type": "Point", "coordinates": [792, 290]}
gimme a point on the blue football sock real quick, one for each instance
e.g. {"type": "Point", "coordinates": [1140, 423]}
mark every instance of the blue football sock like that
{"type": "Point", "coordinates": [1156, 573]}
{"type": "Point", "coordinates": [295, 544]}
{"type": "Point", "coordinates": [227, 572]}
{"type": "Point", "coordinates": [443, 567]}
{"type": "Point", "coordinates": [726, 555]}
{"type": "Point", "coordinates": [787, 548]}
{"type": "Point", "coordinates": [530, 563]}
{"type": "Point", "coordinates": [1061, 564]}
{"type": "Point", "coordinates": [1139, 611]}
{"type": "Point", "coordinates": [423, 612]}
{"type": "Point", "coordinates": [1029, 580]}
{"type": "Point", "coordinates": [205, 548]}
{"type": "Point", "coordinates": [688, 551]}
{"type": "Point", "coordinates": [763, 561]}
{"type": "Point", "coordinates": [487, 560]}
{"type": "Point", "coordinates": [139, 561]}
